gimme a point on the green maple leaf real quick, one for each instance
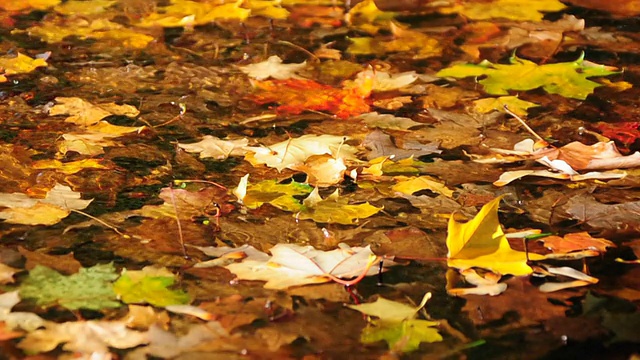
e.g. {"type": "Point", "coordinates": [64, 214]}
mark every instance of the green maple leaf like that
{"type": "Point", "coordinates": [404, 336]}
{"type": "Point", "coordinates": [569, 79]}
{"type": "Point", "coordinates": [149, 285]}
{"type": "Point", "coordinates": [90, 288]}
{"type": "Point", "coordinates": [278, 195]}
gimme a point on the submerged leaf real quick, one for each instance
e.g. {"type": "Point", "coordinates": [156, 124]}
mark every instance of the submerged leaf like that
{"type": "Point", "coordinates": [334, 209]}
{"type": "Point", "coordinates": [404, 336]}
{"type": "Point", "coordinates": [90, 288]}
{"type": "Point", "coordinates": [150, 285]}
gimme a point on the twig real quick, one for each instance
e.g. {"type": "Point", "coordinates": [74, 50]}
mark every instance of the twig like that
{"type": "Point", "coordinates": [102, 223]}
{"type": "Point", "coordinates": [179, 182]}
{"type": "Point", "coordinates": [288, 43]}
{"type": "Point", "coordinates": [530, 130]}
{"type": "Point", "coordinates": [175, 209]}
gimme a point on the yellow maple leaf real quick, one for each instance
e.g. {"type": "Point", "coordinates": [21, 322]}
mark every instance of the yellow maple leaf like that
{"type": "Point", "coordinates": [71, 167]}
{"type": "Point", "coordinates": [530, 10]}
{"type": "Point", "coordinates": [481, 242]}
{"type": "Point", "coordinates": [191, 13]}
{"type": "Point", "coordinates": [19, 5]}
{"type": "Point", "coordinates": [487, 105]}
{"type": "Point", "coordinates": [20, 64]}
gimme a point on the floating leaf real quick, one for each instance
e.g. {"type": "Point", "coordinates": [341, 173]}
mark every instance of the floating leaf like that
{"type": "Point", "coordinates": [297, 96]}
{"type": "Point", "coordinates": [568, 79]}
{"type": "Point", "coordinates": [19, 64]}
{"type": "Point", "coordinates": [530, 10]}
{"type": "Point", "coordinates": [335, 209]}
{"type": "Point", "coordinates": [90, 288]}
{"type": "Point", "coordinates": [270, 191]}
{"type": "Point", "coordinates": [294, 152]}
{"type": "Point", "coordinates": [84, 113]}
{"type": "Point", "coordinates": [519, 107]}
{"type": "Point", "coordinates": [192, 13]}
{"type": "Point", "coordinates": [71, 167]}
{"type": "Point", "coordinates": [150, 285]}
{"type": "Point", "coordinates": [294, 265]}
{"type": "Point", "coordinates": [404, 336]}
{"type": "Point", "coordinates": [482, 243]}
{"type": "Point", "coordinates": [273, 68]}
{"type": "Point", "coordinates": [213, 147]}
{"type": "Point", "coordinates": [409, 186]}
{"type": "Point", "coordinates": [58, 203]}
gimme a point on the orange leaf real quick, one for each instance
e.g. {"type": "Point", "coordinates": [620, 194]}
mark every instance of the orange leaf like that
{"type": "Point", "coordinates": [296, 96]}
{"type": "Point", "coordinates": [576, 242]}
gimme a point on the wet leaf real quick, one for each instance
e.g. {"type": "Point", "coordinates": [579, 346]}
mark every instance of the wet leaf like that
{"type": "Point", "coordinates": [58, 203]}
{"type": "Point", "coordinates": [191, 13]}
{"type": "Point", "coordinates": [294, 265]}
{"type": "Point", "coordinates": [269, 191]}
{"type": "Point", "coordinates": [90, 288]}
{"type": "Point", "coordinates": [367, 17]}
{"type": "Point", "coordinates": [66, 264]}
{"type": "Point", "coordinates": [516, 105]}
{"type": "Point", "coordinates": [576, 242]}
{"type": "Point", "coordinates": [84, 337]}
{"type": "Point", "coordinates": [296, 96]}
{"type": "Point", "coordinates": [213, 147]}
{"type": "Point", "coordinates": [334, 209]}
{"type": "Point", "coordinates": [6, 273]}
{"type": "Point", "coordinates": [405, 336]}
{"type": "Point", "coordinates": [388, 121]}
{"type": "Point", "coordinates": [482, 243]}
{"type": "Point", "coordinates": [19, 5]}
{"type": "Point", "coordinates": [151, 285]}
{"type": "Point", "coordinates": [164, 344]}
{"type": "Point", "coordinates": [85, 113]}
{"type": "Point", "coordinates": [507, 9]}
{"type": "Point", "coordinates": [273, 68]}
{"type": "Point", "coordinates": [69, 167]}
{"type": "Point", "coordinates": [568, 79]}
{"type": "Point", "coordinates": [294, 152]}
{"type": "Point", "coordinates": [409, 186]}
{"type": "Point", "coordinates": [19, 64]}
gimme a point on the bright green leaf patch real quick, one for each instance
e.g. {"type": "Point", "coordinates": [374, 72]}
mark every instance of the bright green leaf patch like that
{"type": "Point", "coordinates": [90, 288]}
{"type": "Point", "coordinates": [568, 79]}
{"type": "Point", "coordinates": [404, 336]}
{"type": "Point", "coordinates": [149, 285]}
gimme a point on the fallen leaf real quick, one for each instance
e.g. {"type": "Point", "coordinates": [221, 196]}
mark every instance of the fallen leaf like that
{"type": "Point", "coordinates": [86, 337]}
{"type": "Point", "coordinates": [367, 17]}
{"type": "Point", "coordinates": [270, 191]}
{"type": "Point", "coordinates": [294, 265]}
{"type": "Point", "coordinates": [334, 209]}
{"type": "Point", "coordinates": [568, 79]}
{"type": "Point", "coordinates": [66, 264]}
{"type": "Point", "coordinates": [150, 285]}
{"type": "Point", "coordinates": [405, 336]}
{"type": "Point", "coordinates": [507, 9]}
{"type": "Point", "coordinates": [576, 242]}
{"type": "Point", "coordinates": [409, 186]}
{"type": "Point", "coordinates": [296, 96]}
{"type": "Point", "coordinates": [295, 151]}
{"type": "Point", "coordinates": [90, 288]}
{"type": "Point", "coordinates": [383, 145]}
{"type": "Point", "coordinates": [74, 7]}
{"type": "Point", "coordinates": [213, 147]}
{"type": "Point", "coordinates": [19, 64]}
{"type": "Point", "coordinates": [382, 80]}
{"type": "Point", "coordinates": [388, 121]}
{"type": "Point", "coordinates": [625, 132]}
{"type": "Point", "coordinates": [519, 107]}
{"type": "Point", "coordinates": [482, 243]}
{"type": "Point", "coordinates": [273, 68]}
{"type": "Point", "coordinates": [166, 345]}
{"type": "Point", "coordinates": [85, 113]}
{"type": "Point", "coordinates": [19, 320]}
{"type": "Point", "coordinates": [191, 13]}
{"type": "Point", "coordinates": [58, 203]}
{"type": "Point", "coordinates": [6, 273]}
{"type": "Point", "coordinates": [20, 5]}
{"type": "Point", "coordinates": [397, 324]}
{"type": "Point", "coordinates": [71, 167]}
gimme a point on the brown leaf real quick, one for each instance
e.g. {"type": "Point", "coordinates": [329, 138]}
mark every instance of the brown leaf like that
{"type": "Point", "coordinates": [576, 242]}
{"type": "Point", "coordinates": [66, 264]}
{"type": "Point", "coordinates": [531, 305]}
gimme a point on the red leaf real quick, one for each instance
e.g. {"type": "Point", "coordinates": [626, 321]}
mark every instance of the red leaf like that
{"type": "Point", "coordinates": [624, 132]}
{"type": "Point", "coordinates": [296, 96]}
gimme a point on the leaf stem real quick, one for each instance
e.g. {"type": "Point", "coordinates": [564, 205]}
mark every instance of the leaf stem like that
{"type": "Point", "coordinates": [530, 130]}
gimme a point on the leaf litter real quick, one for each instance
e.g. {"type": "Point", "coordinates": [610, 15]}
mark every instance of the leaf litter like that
{"type": "Point", "coordinates": [237, 172]}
